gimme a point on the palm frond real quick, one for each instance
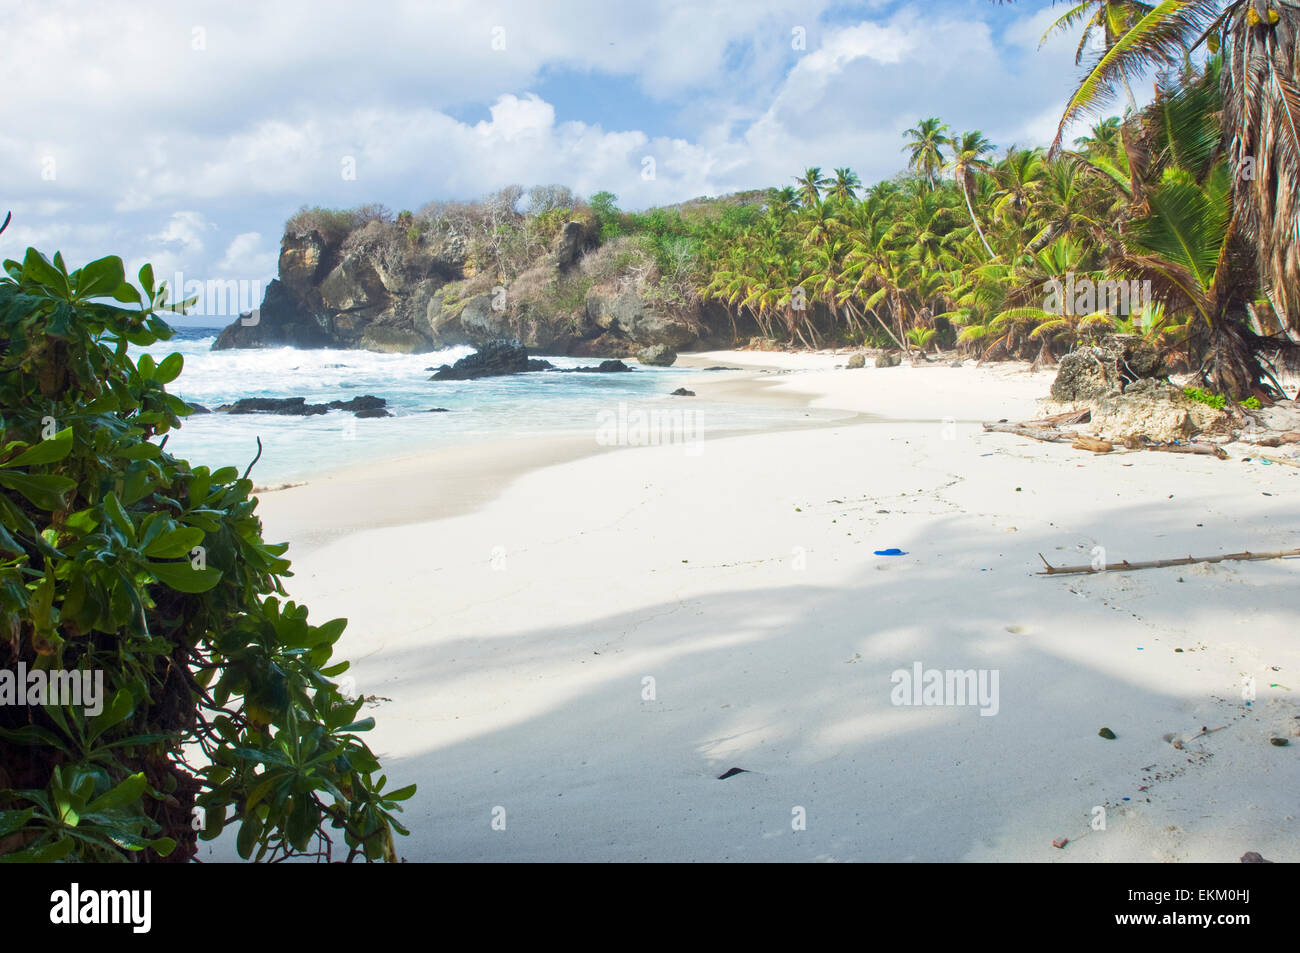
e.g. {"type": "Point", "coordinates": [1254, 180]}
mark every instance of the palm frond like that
{"type": "Point", "coordinates": [1159, 39]}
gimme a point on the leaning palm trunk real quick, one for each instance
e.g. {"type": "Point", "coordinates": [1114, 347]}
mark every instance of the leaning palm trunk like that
{"type": "Point", "coordinates": [888, 329]}
{"type": "Point", "coordinates": [965, 190]}
{"type": "Point", "coordinates": [1261, 94]}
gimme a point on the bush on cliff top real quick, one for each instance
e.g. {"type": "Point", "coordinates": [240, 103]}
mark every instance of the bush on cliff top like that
{"type": "Point", "coordinates": [119, 559]}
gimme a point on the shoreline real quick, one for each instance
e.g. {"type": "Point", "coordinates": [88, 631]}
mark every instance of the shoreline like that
{"type": "Point", "coordinates": [451, 481]}
{"type": "Point", "coordinates": [454, 480]}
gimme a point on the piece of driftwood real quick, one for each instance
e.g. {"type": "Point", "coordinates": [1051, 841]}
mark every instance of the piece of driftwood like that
{"type": "Point", "coordinates": [1034, 433]}
{"type": "Point", "coordinates": [1095, 444]}
{"type": "Point", "coordinates": [1126, 566]}
{"type": "Point", "coordinates": [1208, 449]}
{"type": "Point", "coordinates": [1280, 440]}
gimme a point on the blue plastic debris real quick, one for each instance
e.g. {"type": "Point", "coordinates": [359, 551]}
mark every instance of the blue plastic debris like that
{"type": "Point", "coordinates": [890, 552]}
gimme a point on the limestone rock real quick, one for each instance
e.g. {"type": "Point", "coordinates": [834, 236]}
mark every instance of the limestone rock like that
{"type": "Point", "coordinates": [1091, 373]}
{"type": "Point", "coordinates": [281, 321]}
{"type": "Point", "coordinates": [568, 243]}
{"type": "Point", "coordinates": [1157, 409]}
{"type": "Point", "coordinates": [1284, 416]}
{"type": "Point", "coordinates": [887, 359]}
{"type": "Point", "coordinates": [657, 355]}
{"type": "Point", "coordinates": [383, 288]}
{"type": "Point", "coordinates": [857, 360]}
{"type": "Point", "coordinates": [352, 285]}
{"type": "Point", "coordinates": [394, 340]}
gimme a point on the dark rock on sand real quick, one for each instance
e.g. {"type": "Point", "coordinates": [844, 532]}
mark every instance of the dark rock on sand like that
{"type": "Point", "coordinates": [682, 392]}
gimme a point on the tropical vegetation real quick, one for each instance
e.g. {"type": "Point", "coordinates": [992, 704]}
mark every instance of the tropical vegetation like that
{"type": "Point", "coordinates": [125, 567]}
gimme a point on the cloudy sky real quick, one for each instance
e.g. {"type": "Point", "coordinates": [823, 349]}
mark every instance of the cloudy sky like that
{"type": "Point", "coordinates": [186, 133]}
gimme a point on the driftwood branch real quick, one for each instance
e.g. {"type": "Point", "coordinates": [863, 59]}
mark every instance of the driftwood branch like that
{"type": "Point", "coordinates": [1277, 441]}
{"type": "Point", "coordinates": [1084, 442]}
{"type": "Point", "coordinates": [1050, 434]}
{"type": "Point", "coordinates": [1126, 566]}
{"type": "Point", "coordinates": [1034, 433]}
{"type": "Point", "coordinates": [1206, 448]}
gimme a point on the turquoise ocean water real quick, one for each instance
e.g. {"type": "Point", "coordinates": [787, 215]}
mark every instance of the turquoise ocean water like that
{"type": "Point", "coordinates": [297, 448]}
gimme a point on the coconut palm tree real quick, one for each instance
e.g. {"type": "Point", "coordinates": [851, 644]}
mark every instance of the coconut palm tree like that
{"type": "Point", "coordinates": [1260, 84]}
{"type": "Point", "coordinates": [1189, 249]}
{"type": "Point", "coordinates": [925, 148]}
{"type": "Point", "coordinates": [845, 187]}
{"type": "Point", "coordinates": [1037, 305]}
{"type": "Point", "coordinates": [785, 201]}
{"type": "Point", "coordinates": [969, 150]}
{"type": "Point", "coordinates": [1019, 176]}
{"type": "Point", "coordinates": [811, 184]}
{"type": "Point", "coordinates": [1103, 138]}
{"type": "Point", "coordinates": [1105, 22]}
{"type": "Point", "coordinates": [868, 280]}
{"type": "Point", "coordinates": [818, 221]}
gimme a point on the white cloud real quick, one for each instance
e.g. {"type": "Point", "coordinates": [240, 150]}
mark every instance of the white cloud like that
{"type": "Point", "coordinates": [182, 148]}
{"type": "Point", "coordinates": [184, 229]}
{"type": "Point", "coordinates": [247, 256]}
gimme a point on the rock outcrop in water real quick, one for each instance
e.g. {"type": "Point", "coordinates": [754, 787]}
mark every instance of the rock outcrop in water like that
{"type": "Point", "coordinates": [384, 287]}
{"type": "Point", "coordinates": [494, 359]}
{"type": "Point", "coordinates": [366, 406]}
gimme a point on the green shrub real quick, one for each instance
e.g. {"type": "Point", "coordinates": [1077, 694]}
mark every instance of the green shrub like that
{"type": "Point", "coordinates": [120, 559]}
{"type": "Point", "coordinates": [1218, 401]}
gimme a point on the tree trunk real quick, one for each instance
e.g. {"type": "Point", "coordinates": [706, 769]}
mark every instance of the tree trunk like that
{"type": "Point", "coordinates": [888, 329]}
{"type": "Point", "coordinates": [966, 192]}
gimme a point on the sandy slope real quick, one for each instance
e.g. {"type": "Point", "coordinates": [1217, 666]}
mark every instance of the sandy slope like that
{"type": "Point", "coordinates": [511, 640]}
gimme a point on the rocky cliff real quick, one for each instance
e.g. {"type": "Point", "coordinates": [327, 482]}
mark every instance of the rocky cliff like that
{"type": "Point", "coordinates": [385, 287]}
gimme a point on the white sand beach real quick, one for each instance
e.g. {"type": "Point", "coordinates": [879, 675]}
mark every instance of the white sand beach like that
{"type": "Point", "coordinates": [581, 642]}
